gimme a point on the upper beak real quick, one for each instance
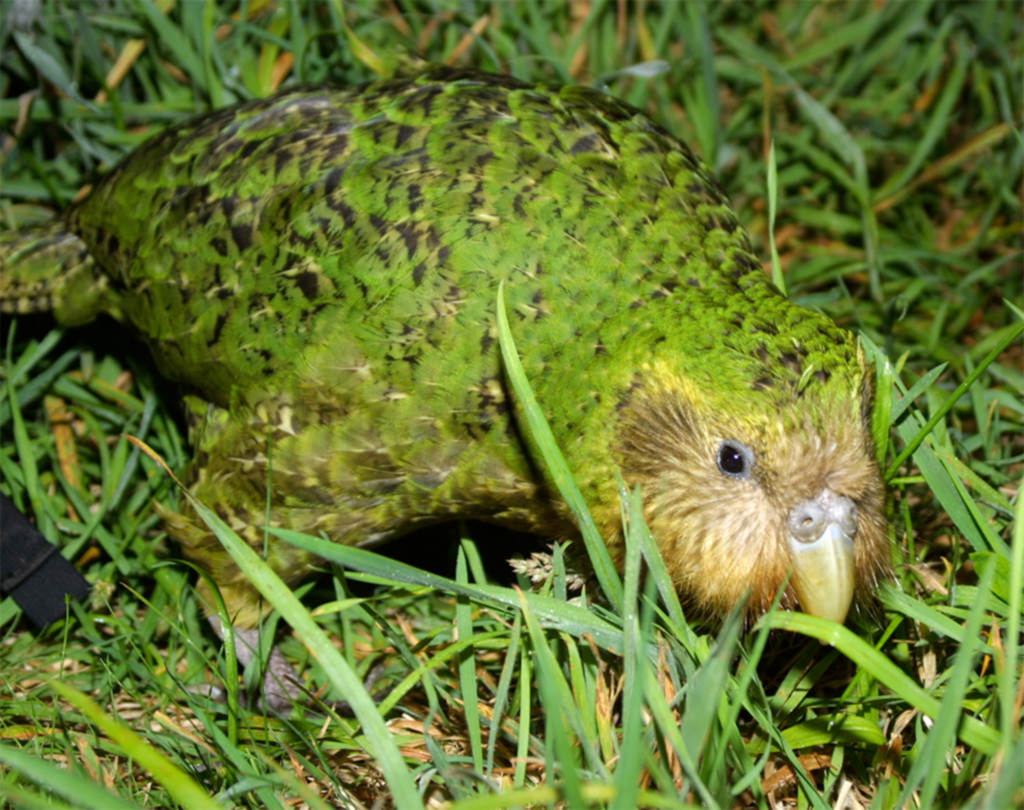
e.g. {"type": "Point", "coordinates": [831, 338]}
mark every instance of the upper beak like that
{"type": "Point", "coordinates": [821, 532]}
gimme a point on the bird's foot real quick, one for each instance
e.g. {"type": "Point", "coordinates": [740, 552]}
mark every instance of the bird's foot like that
{"type": "Point", "coordinates": [282, 688]}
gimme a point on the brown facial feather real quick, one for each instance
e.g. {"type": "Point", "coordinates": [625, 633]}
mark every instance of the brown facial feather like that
{"type": "Point", "coordinates": [722, 536]}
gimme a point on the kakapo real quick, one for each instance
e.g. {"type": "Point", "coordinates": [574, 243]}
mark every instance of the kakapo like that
{"type": "Point", "coordinates": [319, 269]}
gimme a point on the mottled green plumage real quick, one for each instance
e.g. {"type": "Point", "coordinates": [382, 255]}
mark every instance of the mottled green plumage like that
{"type": "Point", "coordinates": [321, 268]}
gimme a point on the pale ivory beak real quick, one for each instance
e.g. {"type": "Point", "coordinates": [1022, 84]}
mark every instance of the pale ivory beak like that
{"type": "Point", "coordinates": [824, 575]}
{"type": "Point", "coordinates": [824, 563]}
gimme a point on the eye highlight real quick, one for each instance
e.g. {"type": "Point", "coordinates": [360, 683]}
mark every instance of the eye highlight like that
{"type": "Point", "coordinates": [735, 460]}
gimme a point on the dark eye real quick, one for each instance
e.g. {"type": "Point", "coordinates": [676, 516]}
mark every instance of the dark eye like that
{"type": "Point", "coordinates": [735, 459]}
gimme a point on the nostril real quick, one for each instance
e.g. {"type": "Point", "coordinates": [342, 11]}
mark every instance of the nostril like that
{"type": "Point", "coordinates": [809, 519]}
{"type": "Point", "coordinates": [841, 510]}
{"type": "Point", "coordinates": [849, 521]}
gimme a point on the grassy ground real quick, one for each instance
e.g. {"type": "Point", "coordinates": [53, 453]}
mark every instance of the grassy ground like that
{"type": "Point", "coordinates": [896, 130]}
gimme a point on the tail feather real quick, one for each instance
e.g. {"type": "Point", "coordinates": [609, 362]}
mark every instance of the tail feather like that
{"type": "Point", "coordinates": [48, 268]}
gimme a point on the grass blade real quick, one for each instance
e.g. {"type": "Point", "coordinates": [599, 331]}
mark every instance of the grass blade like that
{"type": "Point", "coordinates": [971, 731]}
{"type": "Point", "coordinates": [604, 568]}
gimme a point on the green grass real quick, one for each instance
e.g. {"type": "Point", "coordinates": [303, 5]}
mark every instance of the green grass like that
{"type": "Point", "coordinates": [895, 203]}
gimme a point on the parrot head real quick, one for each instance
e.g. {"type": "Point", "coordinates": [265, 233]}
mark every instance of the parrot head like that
{"type": "Point", "coordinates": [756, 488]}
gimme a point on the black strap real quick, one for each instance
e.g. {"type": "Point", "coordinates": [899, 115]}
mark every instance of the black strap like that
{"type": "Point", "coordinates": [32, 572]}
